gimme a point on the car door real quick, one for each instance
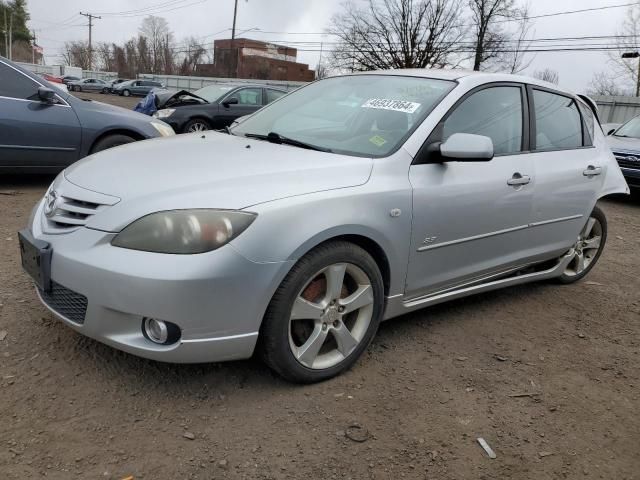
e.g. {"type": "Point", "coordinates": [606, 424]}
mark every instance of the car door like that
{"type": "Point", "coordinates": [249, 101]}
{"type": "Point", "coordinates": [470, 218]}
{"type": "Point", "coordinates": [568, 166]}
{"type": "Point", "coordinates": [270, 95]}
{"type": "Point", "coordinates": [34, 133]}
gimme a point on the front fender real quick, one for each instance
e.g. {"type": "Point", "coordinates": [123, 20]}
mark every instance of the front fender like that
{"type": "Point", "coordinates": [287, 229]}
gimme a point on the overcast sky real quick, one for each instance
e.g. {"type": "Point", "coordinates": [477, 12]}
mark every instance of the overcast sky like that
{"type": "Point", "coordinates": [208, 19]}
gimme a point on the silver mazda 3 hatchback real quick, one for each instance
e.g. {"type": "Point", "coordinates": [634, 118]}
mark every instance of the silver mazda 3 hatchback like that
{"type": "Point", "coordinates": [350, 201]}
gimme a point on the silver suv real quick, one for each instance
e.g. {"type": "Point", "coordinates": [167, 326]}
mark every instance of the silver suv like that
{"type": "Point", "coordinates": [350, 201]}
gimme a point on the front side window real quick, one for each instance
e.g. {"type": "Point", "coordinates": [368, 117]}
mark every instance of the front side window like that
{"type": "Point", "coordinates": [14, 84]}
{"type": "Point", "coordinates": [494, 112]}
{"type": "Point", "coordinates": [361, 115]}
{"type": "Point", "coordinates": [249, 96]}
{"type": "Point", "coordinates": [212, 93]}
{"type": "Point", "coordinates": [558, 122]}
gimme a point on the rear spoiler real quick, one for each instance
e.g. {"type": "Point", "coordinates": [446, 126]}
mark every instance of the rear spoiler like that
{"type": "Point", "coordinates": [592, 105]}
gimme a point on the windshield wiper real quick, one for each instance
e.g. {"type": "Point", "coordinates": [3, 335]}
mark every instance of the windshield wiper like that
{"type": "Point", "coordinates": [274, 137]}
{"type": "Point", "coordinates": [625, 136]}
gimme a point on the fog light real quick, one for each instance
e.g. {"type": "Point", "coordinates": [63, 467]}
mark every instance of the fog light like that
{"type": "Point", "coordinates": [156, 330]}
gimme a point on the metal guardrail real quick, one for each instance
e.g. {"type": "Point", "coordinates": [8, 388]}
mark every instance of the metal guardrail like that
{"type": "Point", "coordinates": [193, 83]}
{"type": "Point", "coordinates": [617, 109]}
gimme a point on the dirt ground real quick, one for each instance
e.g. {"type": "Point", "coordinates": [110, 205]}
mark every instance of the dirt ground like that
{"type": "Point", "coordinates": [429, 385]}
{"type": "Point", "coordinates": [125, 102]}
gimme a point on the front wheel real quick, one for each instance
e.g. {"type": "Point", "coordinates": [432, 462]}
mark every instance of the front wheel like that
{"type": "Point", "coordinates": [111, 141]}
{"type": "Point", "coordinates": [196, 125]}
{"type": "Point", "coordinates": [588, 248]}
{"type": "Point", "coordinates": [324, 314]}
{"type": "Point", "coordinates": [126, 93]}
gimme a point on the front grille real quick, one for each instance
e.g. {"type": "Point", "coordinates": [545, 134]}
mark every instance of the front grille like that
{"type": "Point", "coordinates": [628, 160]}
{"type": "Point", "coordinates": [66, 302]}
{"type": "Point", "coordinates": [72, 213]}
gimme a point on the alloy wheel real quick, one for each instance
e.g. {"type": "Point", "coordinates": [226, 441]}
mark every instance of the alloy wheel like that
{"type": "Point", "coordinates": [330, 316]}
{"type": "Point", "coordinates": [586, 248]}
{"type": "Point", "coordinates": [197, 127]}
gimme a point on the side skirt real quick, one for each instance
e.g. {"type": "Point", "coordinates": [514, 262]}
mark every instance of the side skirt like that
{"type": "Point", "coordinates": [397, 305]}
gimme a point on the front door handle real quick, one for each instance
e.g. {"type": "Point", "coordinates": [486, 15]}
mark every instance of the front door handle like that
{"type": "Point", "coordinates": [592, 171]}
{"type": "Point", "coordinates": [518, 180]}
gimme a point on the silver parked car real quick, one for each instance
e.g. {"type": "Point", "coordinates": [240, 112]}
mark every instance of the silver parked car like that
{"type": "Point", "coordinates": [352, 200]}
{"type": "Point", "coordinates": [88, 85]}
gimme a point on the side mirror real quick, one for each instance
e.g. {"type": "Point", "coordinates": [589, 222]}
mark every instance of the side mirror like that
{"type": "Point", "coordinates": [46, 95]}
{"type": "Point", "coordinates": [611, 131]}
{"type": "Point", "coordinates": [466, 147]}
{"type": "Point", "coordinates": [230, 101]}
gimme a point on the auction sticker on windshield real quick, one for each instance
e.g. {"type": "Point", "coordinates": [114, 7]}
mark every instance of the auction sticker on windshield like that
{"type": "Point", "coordinates": [395, 105]}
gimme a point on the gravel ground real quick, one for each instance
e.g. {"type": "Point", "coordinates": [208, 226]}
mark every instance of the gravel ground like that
{"type": "Point", "coordinates": [117, 100]}
{"type": "Point", "coordinates": [430, 384]}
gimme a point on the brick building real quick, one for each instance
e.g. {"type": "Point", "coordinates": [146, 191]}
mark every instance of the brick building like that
{"type": "Point", "coordinates": [245, 58]}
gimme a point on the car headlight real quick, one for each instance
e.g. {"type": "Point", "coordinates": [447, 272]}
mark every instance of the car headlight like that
{"type": "Point", "coordinates": [164, 113]}
{"type": "Point", "coordinates": [184, 231]}
{"type": "Point", "coordinates": [164, 129]}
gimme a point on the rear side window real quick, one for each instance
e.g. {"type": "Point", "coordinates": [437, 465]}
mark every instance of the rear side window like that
{"type": "Point", "coordinates": [273, 95]}
{"type": "Point", "coordinates": [558, 122]}
{"type": "Point", "coordinates": [16, 85]}
{"type": "Point", "coordinates": [494, 112]}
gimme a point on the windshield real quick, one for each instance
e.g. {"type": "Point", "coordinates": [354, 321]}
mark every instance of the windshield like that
{"type": "Point", "coordinates": [629, 129]}
{"type": "Point", "coordinates": [211, 93]}
{"type": "Point", "coordinates": [362, 115]}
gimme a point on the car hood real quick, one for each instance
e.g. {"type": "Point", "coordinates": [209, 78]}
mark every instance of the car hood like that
{"type": "Point", "coordinates": [212, 170]}
{"type": "Point", "coordinates": [624, 143]}
{"type": "Point", "coordinates": [172, 98]}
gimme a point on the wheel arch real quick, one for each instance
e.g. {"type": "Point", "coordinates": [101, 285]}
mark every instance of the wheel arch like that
{"type": "Point", "coordinates": [364, 241]}
{"type": "Point", "coordinates": [117, 131]}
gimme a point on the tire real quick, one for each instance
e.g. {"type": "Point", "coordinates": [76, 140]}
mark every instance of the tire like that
{"type": "Point", "coordinates": [126, 93]}
{"type": "Point", "coordinates": [111, 141]}
{"type": "Point", "coordinates": [585, 249]}
{"type": "Point", "coordinates": [284, 345]}
{"type": "Point", "coordinates": [78, 88]}
{"type": "Point", "coordinates": [104, 91]}
{"type": "Point", "coordinates": [196, 125]}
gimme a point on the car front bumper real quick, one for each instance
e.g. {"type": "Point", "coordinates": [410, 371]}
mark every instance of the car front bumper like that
{"type": "Point", "coordinates": [217, 298]}
{"type": "Point", "coordinates": [632, 176]}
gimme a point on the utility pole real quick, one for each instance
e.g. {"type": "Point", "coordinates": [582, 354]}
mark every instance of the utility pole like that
{"type": "Point", "coordinates": [11, 36]}
{"type": "Point", "coordinates": [90, 17]}
{"type": "Point", "coordinates": [6, 33]}
{"type": "Point", "coordinates": [235, 12]}
{"type": "Point", "coordinates": [635, 55]}
{"type": "Point", "coordinates": [33, 47]}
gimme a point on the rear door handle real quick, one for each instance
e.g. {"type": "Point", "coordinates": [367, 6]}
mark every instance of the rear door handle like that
{"type": "Point", "coordinates": [518, 180]}
{"type": "Point", "coordinates": [592, 171]}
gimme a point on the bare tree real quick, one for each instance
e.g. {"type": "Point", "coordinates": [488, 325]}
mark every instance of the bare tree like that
{"type": "Point", "coordinates": [603, 83]}
{"type": "Point", "coordinates": [194, 54]}
{"type": "Point", "coordinates": [76, 54]}
{"type": "Point", "coordinates": [628, 35]}
{"type": "Point", "coordinates": [515, 59]}
{"type": "Point", "coordinates": [489, 37]}
{"type": "Point", "coordinates": [103, 53]}
{"type": "Point", "coordinates": [396, 34]}
{"type": "Point", "coordinates": [159, 42]}
{"type": "Point", "coordinates": [547, 75]}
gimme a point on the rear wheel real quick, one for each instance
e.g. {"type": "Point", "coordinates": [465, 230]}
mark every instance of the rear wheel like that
{"type": "Point", "coordinates": [588, 248]}
{"type": "Point", "coordinates": [324, 314]}
{"type": "Point", "coordinates": [196, 125]}
{"type": "Point", "coordinates": [111, 141]}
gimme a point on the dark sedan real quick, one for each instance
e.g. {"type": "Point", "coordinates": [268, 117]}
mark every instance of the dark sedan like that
{"type": "Point", "coordinates": [625, 144]}
{"type": "Point", "coordinates": [213, 107]}
{"type": "Point", "coordinates": [43, 129]}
